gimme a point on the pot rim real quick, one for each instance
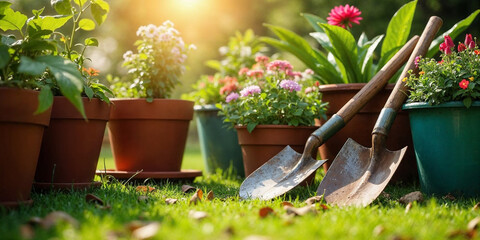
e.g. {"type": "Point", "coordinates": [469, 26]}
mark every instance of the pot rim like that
{"type": "Point", "coordinates": [266, 126]}
{"type": "Point", "coordinates": [424, 105]}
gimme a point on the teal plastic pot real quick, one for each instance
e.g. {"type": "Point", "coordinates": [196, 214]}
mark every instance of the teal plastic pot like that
{"type": "Point", "coordinates": [446, 139]}
{"type": "Point", "coordinates": [218, 141]}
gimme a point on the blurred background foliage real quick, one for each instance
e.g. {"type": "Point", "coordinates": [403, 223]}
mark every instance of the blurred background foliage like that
{"type": "Point", "coordinates": [209, 23]}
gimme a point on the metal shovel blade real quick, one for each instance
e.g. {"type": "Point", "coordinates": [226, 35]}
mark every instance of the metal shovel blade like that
{"type": "Point", "coordinates": [357, 176]}
{"type": "Point", "coordinates": [278, 175]}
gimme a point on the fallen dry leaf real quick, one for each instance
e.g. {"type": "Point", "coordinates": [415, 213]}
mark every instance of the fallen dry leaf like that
{"type": "Point", "coordinates": [378, 230]}
{"type": "Point", "coordinates": [133, 225]}
{"type": "Point", "coordinates": [210, 196]}
{"type": "Point", "coordinates": [412, 197]}
{"type": "Point", "coordinates": [473, 224]}
{"type": "Point", "coordinates": [265, 211]}
{"type": "Point", "coordinates": [142, 198]}
{"type": "Point", "coordinates": [197, 197]}
{"type": "Point", "coordinates": [324, 207]}
{"type": "Point", "coordinates": [198, 215]}
{"type": "Point", "coordinates": [314, 200]}
{"type": "Point", "coordinates": [171, 201]}
{"type": "Point", "coordinates": [476, 206]}
{"type": "Point", "coordinates": [301, 211]}
{"type": "Point", "coordinates": [408, 207]}
{"type": "Point", "coordinates": [286, 204]}
{"type": "Point", "coordinates": [188, 188]}
{"type": "Point", "coordinates": [145, 189]}
{"type": "Point", "coordinates": [146, 231]}
{"type": "Point", "coordinates": [26, 231]}
{"type": "Point", "coordinates": [90, 198]}
{"type": "Point", "coordinates": [53, 218]}
{"type": "Point", "coordinates": [449, 197]}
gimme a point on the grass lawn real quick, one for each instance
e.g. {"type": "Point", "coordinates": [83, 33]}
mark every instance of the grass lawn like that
{"type": "Point", "coordinates": [228, 217]}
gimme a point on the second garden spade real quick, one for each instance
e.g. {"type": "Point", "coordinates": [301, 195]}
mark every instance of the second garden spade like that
{"type": "Point", "coordinates": [359, 174]}
{"type": "Point", "coordinates": [288, 168]}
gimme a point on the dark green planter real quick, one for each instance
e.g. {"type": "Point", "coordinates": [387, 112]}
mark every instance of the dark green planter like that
{"type": "Point", "coordinates": [446, 138]}
{"type": "Point", "coordinates": [218, 141]}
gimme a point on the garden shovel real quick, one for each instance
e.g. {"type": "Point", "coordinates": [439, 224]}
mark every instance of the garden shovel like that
{"type": "Point", "coordinates": [359, 174]}
{"type": "Point", "coordinates": [288, 168]}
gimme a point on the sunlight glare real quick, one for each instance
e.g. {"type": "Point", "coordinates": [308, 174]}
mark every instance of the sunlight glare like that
{"type": "Point", "coordinates": [188, 3]}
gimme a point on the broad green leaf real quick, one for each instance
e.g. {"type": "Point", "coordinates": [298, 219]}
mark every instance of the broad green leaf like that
{"type": "Point", "coordinates": [398, 31]}
{"type": "Point", "coordinates": [453, 32]}
{"type": "Point", "coordinates": [39, 45]}
{"type": "Point", "coordinates": [4, 56]}
{"type": "Point", "coordinates": [467, 102]}
{"type": "Point", "coordinates": [4, 6]}
{"type": "Point", "coordinates": [86, 24]}
{"type": "Point", "coordinates": [63, 7]}
{"type": "Point", "coordinates": [12, 20]}
{"type": "Point", "coordinates": [88, 91]}
{"type": "Point", "coordinates": [251, 126]}
{"type": "Point", "coordinates": [345, 50]}
{"type": "Point", "coordinates": [80, 2]}
{"type": "Point", "coordinates": [51, 23]}
{"type": "Point", "coordinates": [369, 56]}
{"type": "Point", "coordinates": [313, 20]}
{"type": "Point", "coordinates": [45, 99]}
{"type": "Point", "coordinates": [30, 66]}
{"type": "Point", "coordinates": [38, 12]}
{"type": "Point", "coordinates": [91, 42]}
{"type": "Point", "coordinates": [68, 78]}
{"type": "Point", "coordinates": [99, 9]}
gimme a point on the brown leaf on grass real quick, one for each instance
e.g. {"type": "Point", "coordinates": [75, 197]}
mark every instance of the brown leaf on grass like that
{"type": "Point", "coordinates": [301, 211]}
{"type": "Point", "coordinates": [53, 218]}
{"type": "Point", "coordinates": [210, 196]}
{"type": "Point", "coordinates": [171, 201]}
{"type": "Point", "coordinates": [399, 237]}
{"type": "Point", "coordinates": [133, 225]}
{"type": "Point", "coordinates": [463, 233]}
{"type": "Point", "coordinates": [188, 188]}
{"type": "Point", "coordinates": [142, 198]}
{"type": "Point", "coordinates": [197, 197]}
{"type": "Point", "coordinates": [412, 197]}
{"type": "Point", "coordinates": [145, 189]}
{"type": "Point", "coordinates": [449, 197]}
{"type": "Point", "coordinates": [408, 207]}
{"type": "Point", "coordinates": [26, 231]}
{"type": "Point", "coordinates": [324, 207]}
{"type": "Point", "coordinates": [476, 206]}
{"type": "Point", "coordinates": [197, 215]}
{"type": "Point", "coordinates": [286, 204]}
{"type": "Point", "coordinates": [314, 199]}
{"type": "Point", "coordinates": [378, 230]}
{"type": "Point", "coordinates": [146, 231]}
{"type": "Point", "coordinates": [90, 198]}
{"type": "Point", "coordinates": [473, 224]}
{"type": "Point", "coordinates": [265, 211]}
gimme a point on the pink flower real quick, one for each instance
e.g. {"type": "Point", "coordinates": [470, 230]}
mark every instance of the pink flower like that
{"type": "Point", "coordinates": [250, 90]}
{"type": "Point", "coordinates": [279, 65]}
{"type": "Point", "coordinates": [308, 71]}
{"type": "Point", "coordinates": [461, 47]}
{"type": "Point", "coordinates": [256, 73]}
{"type": "Point", "coordinates": [243, 71]}
{"type": "Point", "coordinates": [469, 41]}
{"type": "Point", "coordinates": [449, 41]}
{"type": "Point", "coordinates": [293, 74]}
{"type": "Point", "coordinates": [464, 84]}
{"type": "Point", "coordinates": [417, 60]}
{"type": "Point", "coordinates": [231, 97]}
{"type": "Point", "coordinates": [444, 48]}
{"type": "Point", "coordinates": [344, 15]}
{"type": "Point", "coordinates": [290, 85]}
{"type": "Point", "coordinates": [262, 59]}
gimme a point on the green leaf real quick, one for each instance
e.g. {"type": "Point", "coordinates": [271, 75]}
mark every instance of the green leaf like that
{"type": "Point", "coordinates": [38, 12]}
{"type": "Point", "coordinates": [12, 20]}
{"type": "Point", "coordinates": [68, 78]}
{"type": "Point", "coordinates": [4, 56]}
{"type": "Point", "coordinates": [91, 42]}
{"type": "Point", "coordinates": [63, 7]}
{"type": "Point", "coordinates": [369, 56]}
{"type": "Point", "coordinates": [30, 66]}
{"type": "Point", "coordinates": [453, 32]}
{"type": "Point", "coordinates": [86, 24]}
{"type": "Point", "coordinates": [397, 32]}
{"type": "Point", "coordinates": [51, 23]}
{"type": "Point", "coordinates": [80, 2]}
{"type": "Point", "coordinates": [45, 99]}
{"type": "Point", "coordinates": [8, 40]}
{"type": "Point", "coordinates": [251, 126]}
{"type": "Point", "coordinates": [467, 102]}
{"type": "Point", "coordinates": [4, 6]}
{"type": "Point", "coordinates": [345, 50]}
{"type": "Point", "coordinates": [313, 20]}
{"type": "Point", "coordinates": [88, 91]}
{"type": "Point", "coordinates": [39, 45]}
{"type": "Point", "coordinates": [99, 9]}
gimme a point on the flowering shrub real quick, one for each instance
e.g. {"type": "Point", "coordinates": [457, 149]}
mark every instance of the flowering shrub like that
{"type": "Point", "coordinates": [274, 94]}
{"type": "Point", "coordinates": [454, 78]}
{"type": "Point", "coordinates": [155, 69]}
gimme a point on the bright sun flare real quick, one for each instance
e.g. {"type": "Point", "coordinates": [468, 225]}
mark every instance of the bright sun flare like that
{"type": "Point", "coordinates": [188, 3]}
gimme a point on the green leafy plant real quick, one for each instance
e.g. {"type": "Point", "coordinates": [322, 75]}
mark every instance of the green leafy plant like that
{"type": "Point", "coordinates": [348, 60]}
{"type": "Point", "coordinates": [34, 58]}
{"type": "Point", "coordinates": [239, 53]}
{"type": "Point", "coordinates": [274, 94]}
{"type": "Point", "coordinates": [154, 71]}
{"type": "Point", "coordinates": [454, 78]}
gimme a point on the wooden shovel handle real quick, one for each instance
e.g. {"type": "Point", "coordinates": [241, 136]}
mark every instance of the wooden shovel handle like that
{"type": "Point", "coordinates": [400, 92]}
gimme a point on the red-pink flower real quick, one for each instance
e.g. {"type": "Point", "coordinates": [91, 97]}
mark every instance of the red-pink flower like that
{"type": "Point", "coordinates": [449, 41]}
{"type": "Point", "coordinates": [243, 71]}
{"type": "Point", "coordinates": [344, 16]}
{"type": "Point", "coordinates": [464, 84]}
{"type": "Point", "coordinates": [469, 41]}
{"type": "Point", "coordinates": [262, 59]}
{"type": "Point", "coordinates": [461, 47]}
{"type": "Point", "coordinates": [256, 73]}
{"type": "Point", "coordinates": [279, 65]}
{"type": "Point", "coordinates": [447, 45]}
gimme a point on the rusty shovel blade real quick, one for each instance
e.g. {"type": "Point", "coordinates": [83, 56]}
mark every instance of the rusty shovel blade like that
{"type": "Point", "coordinates": [356, 176]}
{"type": "Point", "coordinates": [278, 175]}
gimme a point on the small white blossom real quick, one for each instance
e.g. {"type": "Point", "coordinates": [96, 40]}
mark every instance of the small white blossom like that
{"type": "Point", "coordinates": [223, 50]}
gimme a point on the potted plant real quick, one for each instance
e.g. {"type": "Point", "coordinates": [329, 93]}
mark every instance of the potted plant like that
{"type": "Point", "coordinates": [351, 67]}
{"type": "Point", "coordinates": [147, 131]}
{"type": "Point", "coordinates": [30, 68]}
{"type": "Point", "coordinates": [444, 108]}
{"type": "Point", "coordinates": [218, 142]}
{"type": "Point", "coordinates": [276, 108]}
{"type": "Point", "coordinates": [72, 143]}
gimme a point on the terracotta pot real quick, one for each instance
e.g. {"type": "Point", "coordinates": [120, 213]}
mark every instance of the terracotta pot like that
{"type": "Point", "coordinates": [71, 146]}
{"type": "Point", "coordinates": [149, 136]}
{"type": "Point", "coordinates": [21, 135]}
{"type": "Point", "coordinates": [361, 126]}
{"type": "Point", "coordinates": [266, 141]}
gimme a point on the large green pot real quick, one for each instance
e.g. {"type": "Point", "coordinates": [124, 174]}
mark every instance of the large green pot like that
{"type": "Point", "coordinates": [446, 138]}
{"type": "Point", "coordinates": [218, 141]}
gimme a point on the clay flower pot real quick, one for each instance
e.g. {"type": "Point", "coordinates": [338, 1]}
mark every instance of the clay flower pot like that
{"type": "Point", "coordinates": [149, 136]}
{"type": "Point", "coordinates": [21, 135]}
{"type": "Point", "coordinates": [266, 141]}
{"type": "Point", "coordinates": [361, 126]}
{"type": "Point", "coordinates": [71, 146]}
